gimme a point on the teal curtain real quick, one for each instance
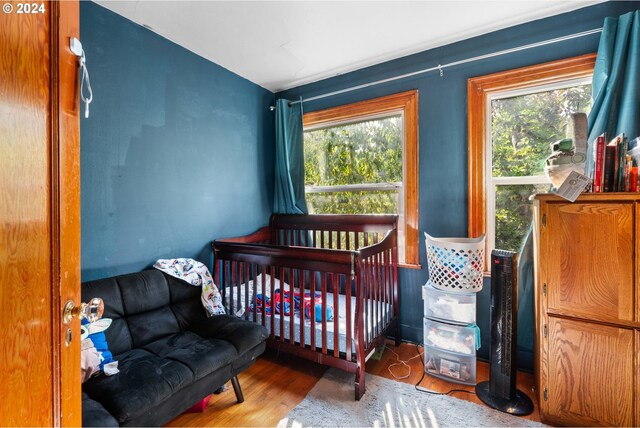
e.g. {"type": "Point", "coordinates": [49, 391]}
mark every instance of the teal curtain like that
{"type": "Point", "coordinates": [616, 82]}
{"type": "Point", "coordinates": [289, 165]}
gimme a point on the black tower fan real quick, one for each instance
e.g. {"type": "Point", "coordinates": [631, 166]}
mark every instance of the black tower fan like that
{"type": "Point", "coordinates": [500, 390]}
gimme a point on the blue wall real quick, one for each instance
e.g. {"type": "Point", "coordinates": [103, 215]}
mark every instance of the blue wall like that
{"type": "Point", "coordinates": [177, 151]}
{"type": "Point", "coordinates": [443, 127]}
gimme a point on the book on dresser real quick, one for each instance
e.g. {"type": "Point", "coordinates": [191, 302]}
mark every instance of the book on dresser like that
{"type": "Point", "coordinates": [612, 164]}
{"type": "Point", "coordinates": [598, 179]}
{"type": "Point", "coordinates": [622, 163]}
{"type": "Point", "coordinates": [609, 166]}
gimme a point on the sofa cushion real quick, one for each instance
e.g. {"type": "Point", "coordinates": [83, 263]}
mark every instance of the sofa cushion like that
{"type": "Point", "coordinates": [147, 327]}
{"type": "Point", "coordinates": [201, 355]}
{"type": "Point", "coordinates": [118, 335]}
{"type": "Point", "coordinates": [144, 381]}
{"type": "Point", "coordinates": [144, 291]}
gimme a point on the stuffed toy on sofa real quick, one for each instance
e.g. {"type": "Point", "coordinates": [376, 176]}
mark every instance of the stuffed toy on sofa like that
{"type": "Point", "coordinates": [95, 354]}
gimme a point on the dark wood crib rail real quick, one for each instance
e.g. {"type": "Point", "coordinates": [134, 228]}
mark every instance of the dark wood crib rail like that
{"type": "Point", "coordinates": [355, 256]}
{"type": "Point", "coordinates": [333, 231]}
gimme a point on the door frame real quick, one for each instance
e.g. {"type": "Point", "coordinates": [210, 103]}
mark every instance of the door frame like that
{"type": "Point", "coordinates": [65, 211]}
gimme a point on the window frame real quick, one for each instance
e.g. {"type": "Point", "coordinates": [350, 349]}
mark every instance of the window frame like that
{"type": "Point", "coordinates": [479, 92]}
{"type": "Point", "coordinates": [405, 103]}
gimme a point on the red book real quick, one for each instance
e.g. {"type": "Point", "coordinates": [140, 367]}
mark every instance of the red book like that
{"type": "Point", "coordinates": [598, 178]}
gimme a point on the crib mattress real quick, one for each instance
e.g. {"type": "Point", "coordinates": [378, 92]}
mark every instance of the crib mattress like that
{"type": "Point", "coordinates": [373, 322]}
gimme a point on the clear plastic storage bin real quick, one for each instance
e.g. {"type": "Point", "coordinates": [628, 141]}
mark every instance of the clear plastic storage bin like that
{"type": "Point", "coordinates": [450, 366]}
{"type": "Point", "coordinates": [455, 264]}
{"type": "Point", "coordinates": [458, 308]}
{"type": "Point", "coordinates": [453, 338]}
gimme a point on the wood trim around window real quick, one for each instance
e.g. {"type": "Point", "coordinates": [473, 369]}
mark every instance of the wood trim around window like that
{"type": "Point", "coordinates": [406, 102]}
{"type": "Point", "coordinates": [478, 91]}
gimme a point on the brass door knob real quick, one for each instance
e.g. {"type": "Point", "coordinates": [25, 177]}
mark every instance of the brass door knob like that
{"type": "Point", "coordinates": [92, 311]}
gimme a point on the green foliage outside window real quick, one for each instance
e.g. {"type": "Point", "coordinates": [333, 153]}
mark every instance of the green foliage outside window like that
{"type": "Point", "coordinates": [371, 152]}
{"type": "Point", "coordinates": [522, 128]}
{"type": "Point", "coordinates": [359, 153]}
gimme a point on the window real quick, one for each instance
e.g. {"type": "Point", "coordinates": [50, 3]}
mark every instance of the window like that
{"type": "Point", "coordinates": [362, 158]}
{"type": "Point", "coordinates": [513, 117]}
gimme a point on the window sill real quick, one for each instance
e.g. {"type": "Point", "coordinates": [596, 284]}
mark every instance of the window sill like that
{"type": "Point", "coordinates": [410, 266]}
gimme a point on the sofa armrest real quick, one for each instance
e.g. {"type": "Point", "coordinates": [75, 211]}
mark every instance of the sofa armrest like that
{"type": "Point", "coordinates": [244, 335]}
{"type": "Point", "coordinates": [95, 415]}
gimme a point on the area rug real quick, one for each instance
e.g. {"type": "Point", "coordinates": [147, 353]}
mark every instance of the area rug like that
{"type": "Point", "coordinates": [388, 403]}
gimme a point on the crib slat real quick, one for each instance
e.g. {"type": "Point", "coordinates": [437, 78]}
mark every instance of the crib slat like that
{"type": "Point", "coordinates": [383, 290]}
{"type": "Point", "coordinates": [367, 331]}
{"type": "Point", "coordinates": [292, 282]}
{"type": "Point", "coordinates": [388, 284]}
{"type": "Point", "coordinates": [365, 294]}
{"type": "Point", "coordinates": [272, 294]}
{"type": "Point", "coordinates": [238, 287]}
{"type": "Point", "coordinates": [387, 293]}
{"type": "Point", "coordinates": [263, 304]}
{"type": "Point", "coordinates": [229, 284]}
{"type": "Point", "coordinates": [324, 312]}
{"type": "Point", "coordinates": [348, 315]}
{"type": "Point", "coordinates": [218, 277]}
{"type": "Point", "coordinates": [312, 310]}
{"type": "Point", "coordinates": [249, 274]}
{"type": "Point", "coordinates": [336, 311]}
{"type": "Point", "coordinates": [378, 287]}
{"type": "Point", "coordinates": [224, 278]}
{"type": "Point", "coordinates": [371, 287]}
{"type": "Point", "coordinates": [372, 302]}
{"type": "Point", "coordinates": [303, 276]}
{"type": "Point", "coordinates": [374, 295]}
{"type": "Point", "coordinates": [282, 311]}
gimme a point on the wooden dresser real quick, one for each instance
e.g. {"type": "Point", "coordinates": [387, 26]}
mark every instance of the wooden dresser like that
{"type": "Point", "coordinates": [588, 309]}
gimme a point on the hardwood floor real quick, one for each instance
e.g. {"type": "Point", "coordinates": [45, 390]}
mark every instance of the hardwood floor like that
{"type": "Point", "coordinates": [276, 384]}
{"type": "Point", "coordinates": [405, 351]}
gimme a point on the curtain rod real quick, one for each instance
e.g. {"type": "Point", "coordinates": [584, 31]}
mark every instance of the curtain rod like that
{"type": "Point", "coordinates": [441, 67]}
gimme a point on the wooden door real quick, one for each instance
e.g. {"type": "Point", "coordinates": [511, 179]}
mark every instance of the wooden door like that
{"type": "Point", "coordinates": [39, 212]}
{"type": "Point", "coordinates": [590, 373]}
{"type": "Point", "coordinates": [637, 377]}
{"type": "Point", "coordinates": [588, 253]}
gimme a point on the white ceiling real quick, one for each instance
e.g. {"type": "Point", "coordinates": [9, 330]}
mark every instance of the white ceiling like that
{"type": "Point", "coordinates": [283, 44]}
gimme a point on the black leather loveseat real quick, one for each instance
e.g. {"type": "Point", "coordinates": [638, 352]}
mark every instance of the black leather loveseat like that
{"type": "Point", "coordinates": [170, 354]}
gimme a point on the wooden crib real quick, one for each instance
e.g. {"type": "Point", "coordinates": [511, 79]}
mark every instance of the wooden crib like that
{"type": "Point", "coordinates": [325, 286]}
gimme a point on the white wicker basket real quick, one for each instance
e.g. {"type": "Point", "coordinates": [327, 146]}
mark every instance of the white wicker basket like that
{"type": "Point", "coordinates": [455, 264]}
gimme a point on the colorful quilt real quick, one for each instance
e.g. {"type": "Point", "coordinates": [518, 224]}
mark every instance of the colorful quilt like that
{"type": "Point", "coordinates": [195, 273]}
